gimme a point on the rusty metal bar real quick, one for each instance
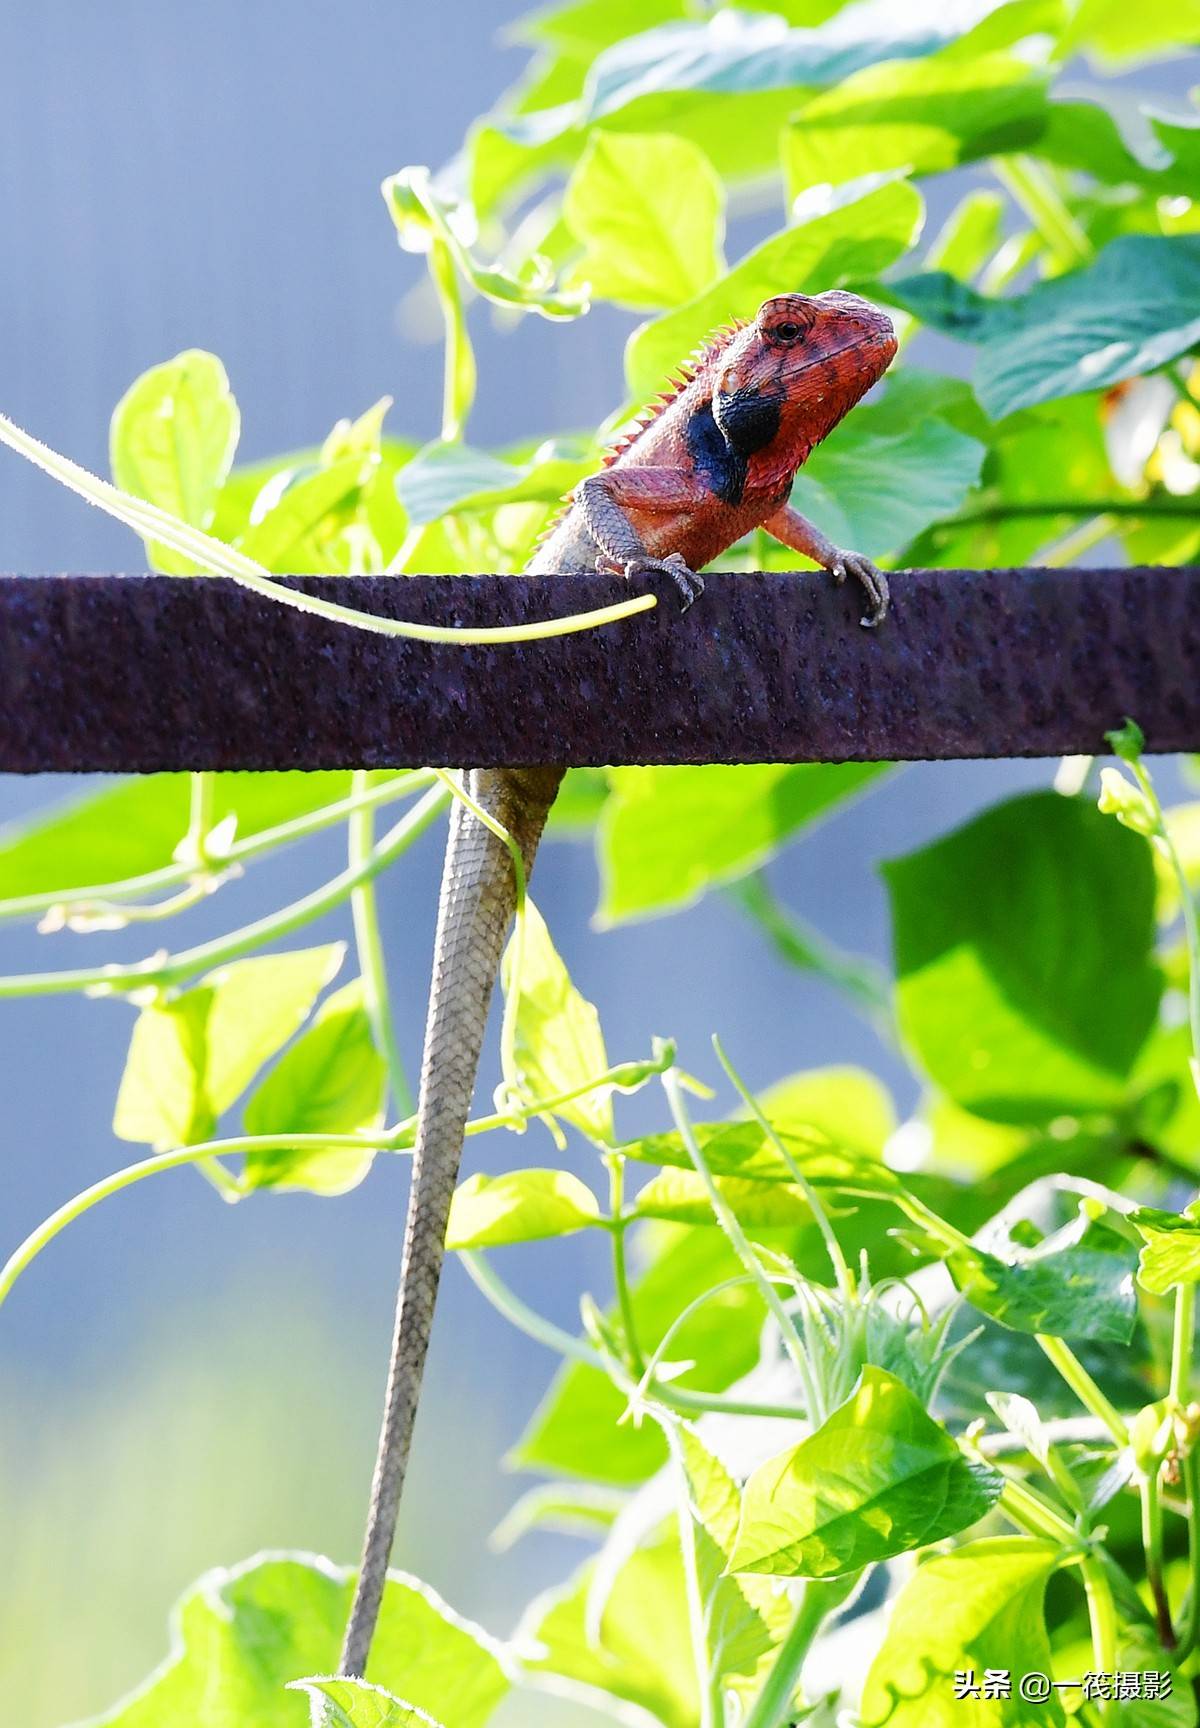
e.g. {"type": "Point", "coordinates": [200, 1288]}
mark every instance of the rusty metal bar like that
{"type": "Point", "coordinates": [136, 674]}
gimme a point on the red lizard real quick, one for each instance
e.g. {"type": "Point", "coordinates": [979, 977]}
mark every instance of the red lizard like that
{"type": "Point", "coordinates": [714, 458]}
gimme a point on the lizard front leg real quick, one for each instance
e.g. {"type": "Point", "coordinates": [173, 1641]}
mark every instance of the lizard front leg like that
{"type": "Point", "coordinates": [604, 501]}
{"type": "Point", "coordinates": [801, 535]}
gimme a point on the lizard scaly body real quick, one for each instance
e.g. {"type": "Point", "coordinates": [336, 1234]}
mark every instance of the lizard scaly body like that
{"type": "Point", "coordinates": [714, 458]}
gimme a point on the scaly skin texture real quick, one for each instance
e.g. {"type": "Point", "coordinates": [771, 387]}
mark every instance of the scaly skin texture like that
{"type": "Point", "coordinates": [715, 458]}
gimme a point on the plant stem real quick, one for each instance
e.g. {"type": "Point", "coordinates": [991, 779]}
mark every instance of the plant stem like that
{"type": "Point", "coordinates": [1182, 1339]}
{"type": "Point", "coordinates": [1102, 1617]}
{"type": "Point", "coordinates": [773, 1706]}
{"type": "Point", "coordinates": [1189, 1631]}
{"type": "Point", "coordinates": [1084, 1387]}
{"type": "Point", "coordinates": [841, 1269]}
{"type": "Point", "coordinates": [219, 559]}
{"type": "Point", "coordinates": [620, 1223]}
{"type": "Point", "coordinates": [1152, 1546]}
{"type": "Point", "coordinates": [131, 1173]}
{"type": "Point", "coordinates": [1162, 504]}
{"type": "Point", "coordinates": [458, 374]}
{"type": "Point", "coordinates": [729, 1223]}
{"type": "Point", "coordinates": [266, 840]}
{"type": "Point", "coordinates": [865, 983]}
{"type": "Point", "coordinates": [161, 971]}
{"type": "Point", "coordinates": [1035, 1515]}
{"type": "Point", "coordinates": [365, 912]}
{"type": "Point", "coordinates": [708, 1682]}
{"type": "Point", "coordinates": [1034, 191]}
{"type": "Point", "coordinates": [200, 817]}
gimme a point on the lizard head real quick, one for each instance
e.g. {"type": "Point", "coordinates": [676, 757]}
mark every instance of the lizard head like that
{"type": "Point", "coordinates": [786, 379]}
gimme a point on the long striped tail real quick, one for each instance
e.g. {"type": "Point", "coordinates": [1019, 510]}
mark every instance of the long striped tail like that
{"type": "Point", "coordinates": [478, 899]}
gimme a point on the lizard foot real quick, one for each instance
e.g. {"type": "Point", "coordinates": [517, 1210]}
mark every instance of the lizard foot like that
{"type": "Point", "coordinates": [674, 565]}
{"type": "Point", "coordinates": [873, 582]}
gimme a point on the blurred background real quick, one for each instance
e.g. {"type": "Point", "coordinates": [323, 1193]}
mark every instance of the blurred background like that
{"type": "Point", "coordinates": [180, 1382]}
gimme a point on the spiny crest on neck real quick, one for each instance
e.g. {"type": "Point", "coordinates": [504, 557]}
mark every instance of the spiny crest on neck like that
{"type": "Point", "coordinates": [708, 351]}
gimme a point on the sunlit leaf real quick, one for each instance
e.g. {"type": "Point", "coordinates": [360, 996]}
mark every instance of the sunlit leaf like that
{"type": "Point", "coordinates": [1171, 1255]}
{"type": "Point", "coordinates": [878, 1478]}
{"type": "Point", "coordinates": [559, 1044]}
{"type": "Point", "coordinates": [837, 234]}
{"type": "Point", "coordinates": [648, 210]}
{"type": "Point", "coordinates": [240, 1636]}
{"type": "Point", "coordinates": [444, 478]}
{"type": "Point", "coordinates": [358, 1704]}
{"type": "Point", "coordinates": [745, 1151]}
{"type": "Point", "coordinates": [519, 1206]}
{"type": "Point", "coordinates": [849, 1105]}
{"type": "Point", "coordinates": [923, 116]}
{"type": "Point", "coordinates": [668, 834]}
{"type": "Point", "coordinates": [1027, 991]}
{"type": "Point", "coordinates": [978, 1608]}
{"type": "Point", "coordinates": [172, 440]}
{"type": "Point", "coordinates": [193, 1056]}
{"type": "Point", "coordinates": [331, 1080]}
{"type": "Point", "coordinates": [1077, 1283]}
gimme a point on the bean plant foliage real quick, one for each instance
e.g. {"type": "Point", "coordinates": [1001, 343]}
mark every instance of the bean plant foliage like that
{"type": "Point", "coordinates": [946, 1397]}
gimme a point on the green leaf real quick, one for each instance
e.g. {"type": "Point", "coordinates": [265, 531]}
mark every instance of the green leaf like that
{"type": "Point", "coordinates": [838, 235]}
{"type": "Point", "coordinates": [519, 1206]}
{"type": "Point", "coordinates": [1027, 991]}
{"type": "Point", "coordinates": [1130, 312]}
{"type": "Point", "coordinates": [889, 472]}
{"type": "Point", "coordinates": [878, 1478]}
{"type": "Point", "coordinates": [1119, 33]}
{"type": "Point", "coordinates": [358, 1704]}
{"type": "Point", "coordinates": [849, 1105]}
{"type": "Point", "coordinates": [977, 1608]}
{"type": "Point", "coordinates": [559, 1044]}
{"type": "Point", "coordinates": [643, 1649]}
{"type": "Point", "coordinates": [648, 210]}
{"type": "Point", "coordinates": [134, 826]}
{"type": "Point", "coordinates": [171, 441]}
{"type": "Point", "coordinates": [193, 1056]}
{"type": "Point", "coordinates": [240, 1636]}
{"type": "Point", "coordinates": [743, 1150]}
{"type": "Point", "coordinates": [969, 235]}
{"type": "Point", "coordinates": [450, 478]}
{"type": "Point", "coordinates": [332, 1080]}
{"type": "Point", "coordinates": [575, 1432]}
{"type": "Point", "coordinates": [1171, 1255]}
{"type": "Point", "coordinates": [285, 538]}
{"type": "Point", "coordinates": [666, 835]}
{"type": "Point", "coordinates": [681, 1196]}
{"type": "Point", "coordinates": [920, 116]}
{"type": "Point", "coordinates": [1077, 1283]}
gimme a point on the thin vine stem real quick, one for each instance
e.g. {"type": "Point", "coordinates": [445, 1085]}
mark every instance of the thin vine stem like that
{"type": "Point", "coordinates": [372, 967]}
{"type": "Point", "coordinates": [231, 856]}
{"type": "Point", "coordinates": [1084, 1387]}
{"type": "Point", "coordinates": [773, 1706]}
{"type": "Point", "coordinates": [163, 970]}
{"type": "Point", "coordinates": [222, 560]}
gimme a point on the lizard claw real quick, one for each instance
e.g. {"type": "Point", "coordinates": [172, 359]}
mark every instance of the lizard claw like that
{"type": "Point", "coordinates": [872, 580]}
{"type": "Point", "coordinates": [674, 565]}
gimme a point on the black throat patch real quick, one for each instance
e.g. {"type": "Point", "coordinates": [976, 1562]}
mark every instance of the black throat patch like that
{"type": "Point", "coordinates": [721, 453]}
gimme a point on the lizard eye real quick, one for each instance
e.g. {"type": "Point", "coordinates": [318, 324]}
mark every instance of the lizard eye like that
{"type": "Point", "coordinates": [786, 332]}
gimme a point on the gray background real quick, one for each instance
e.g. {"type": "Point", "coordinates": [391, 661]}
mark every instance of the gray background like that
{"type": "Point", "coordinates": [183, 1382]}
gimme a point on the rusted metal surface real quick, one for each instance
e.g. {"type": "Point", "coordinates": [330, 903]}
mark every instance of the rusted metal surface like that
{"type": "Point", "coordinates": [135, 674]}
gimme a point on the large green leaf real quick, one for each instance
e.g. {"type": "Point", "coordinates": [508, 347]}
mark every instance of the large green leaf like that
{"type": "Point", "coordinates": [444, 478]}
{"type": "Point", "coordinates": [559, 1044]}
{"type": "Point", "coordinates": [891, 470]}
{"type": "Point", "coordinates": [850, 1105]}
{"type": "Point", "coordinates": [171, 441]}
{"type": "Point", "coordinates": [134, 826]}
{"type": "Point", "coordinates": [837, 235]}
{"type": "Point", "coordinates": [668, 834]}
{"type": "Point", "coordinates": [1171, 1255]}
{"type": "Point", "coordinates": [1077, 1283]}
{"type": "Point", "coordinates": [1130, 312]}
{"type": "Point", "coordinates": [332, 1080]}
{"type": "Point", "coordinates": [574, 1431]}
{"type": "Point", "coordinates": [1122, 33]}
{"type": "Point", "coordinates": [193, 1056]}
{"type": "Point", "coordinates": [285, 537]}
{"type": "Point", "coordinates": [977, 1608]}
{"type": "Point", "coordinates": [519, 1206]}
{"type": "Point", "coordinates": [642, 1649]}
{"type": "Point", "coordinates": [1024, 958]}
{"type": "Point", "coordinates": [922, 116]}
{"type": "Point", "coordinates": [648, 210]}
{"type": "Point", "coordinates": [240, 1636]}
{"type": "Point", "coordinates": [879, 1477]}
